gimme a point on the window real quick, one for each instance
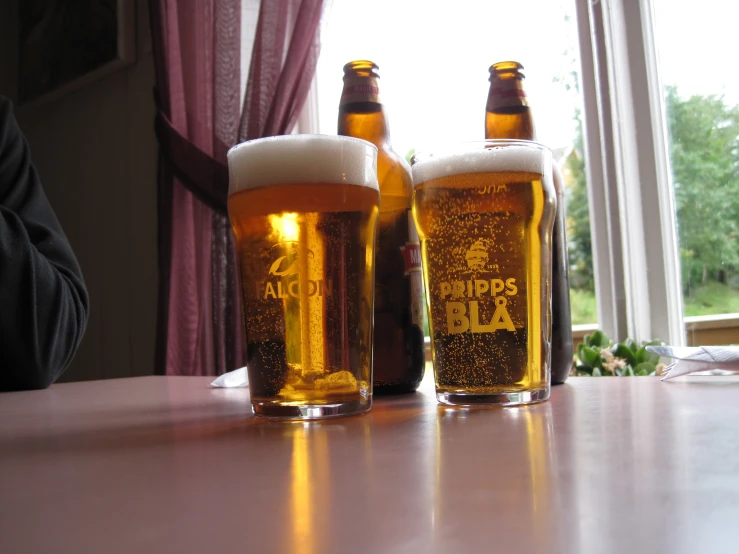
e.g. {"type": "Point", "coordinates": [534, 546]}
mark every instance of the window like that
{"type": "Point", "coordinates": [701, 92]}
{"type": "Point", "coordinates": [587, 63]}
{"type": "Point", "coordinates": [434, 78]}
{"type": "Point", "coordinates": [633, 202]}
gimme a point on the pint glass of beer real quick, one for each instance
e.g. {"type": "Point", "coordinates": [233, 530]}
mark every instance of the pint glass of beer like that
{"type": "Point", "coordinates": [304, 211]}
{"type": "Point", "coordinates": [484, 213]}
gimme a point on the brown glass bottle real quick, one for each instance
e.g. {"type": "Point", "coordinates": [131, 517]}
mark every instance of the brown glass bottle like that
{"type": "Point", "coordinates": [398, 357]}
{"type": "Point", "coordinates": [508, 115]}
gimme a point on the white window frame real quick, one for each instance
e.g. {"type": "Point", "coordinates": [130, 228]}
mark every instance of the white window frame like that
{"type": "Point", "coordinates": [632, 206]}
{"type": "Point", "coordinates": [635, 248]}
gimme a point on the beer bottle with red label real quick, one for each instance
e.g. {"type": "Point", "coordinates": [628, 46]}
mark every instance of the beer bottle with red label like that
{"type": "Point", "coordinates": [508, 115]}
{"type": "Point", "coordinates": [399, 357]}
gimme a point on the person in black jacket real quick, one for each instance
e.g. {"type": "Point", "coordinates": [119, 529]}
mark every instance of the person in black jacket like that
{"type": "Point", "coordinates": [43, 299]}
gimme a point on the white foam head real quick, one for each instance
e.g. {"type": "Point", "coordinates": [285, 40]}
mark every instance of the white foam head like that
{"type": "Point", "coordinates": [302, 159]}
{"type": "Point", "coordinates": [482, 156]}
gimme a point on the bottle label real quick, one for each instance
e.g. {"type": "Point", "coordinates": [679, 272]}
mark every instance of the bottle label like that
{"type": "Point", "coordinates": [505, 93]}
{"type": "Point", "coordinates": [412, 256]}
{"type": "Point", "coordinates": [360, 89]}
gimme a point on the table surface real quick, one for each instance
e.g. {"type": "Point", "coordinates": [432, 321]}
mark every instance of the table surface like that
{"type": "Point", "coordinates": [166, 464]}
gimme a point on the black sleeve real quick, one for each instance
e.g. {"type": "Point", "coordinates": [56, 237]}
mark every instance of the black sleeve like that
{"type": "Point", "coordinates": [43, 300]}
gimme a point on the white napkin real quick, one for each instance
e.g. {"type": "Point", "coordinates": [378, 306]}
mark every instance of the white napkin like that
{"type": "Point", "coordinates": [232, 379]}
{"type": "Point", "coordinates": [690, 359]}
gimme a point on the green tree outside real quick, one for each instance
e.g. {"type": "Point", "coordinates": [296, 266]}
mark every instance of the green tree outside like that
{"type": "Point", "coordinates": [704, 152]}
{"type": "Point", "coordinates": [579, 241]}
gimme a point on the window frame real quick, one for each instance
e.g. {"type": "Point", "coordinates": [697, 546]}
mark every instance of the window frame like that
{"type": "Point", "coordinates": [633, 220]}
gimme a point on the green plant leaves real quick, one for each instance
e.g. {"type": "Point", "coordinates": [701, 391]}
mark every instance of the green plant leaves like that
{"type": "Point", "coordinates": [583, 370]}
{"type": "Point", "coordinates": [590, 361]}
{"type": "Point", "coordinates": [597, 339]}
{"type": "Point", "coordinates": [621, 350]}
{"type": "Point", "coordinates": [646, 366]}
{"type": "Point", "coordinates": [591, 357]}
{"type": "Point", "coordinates": [642, 356]}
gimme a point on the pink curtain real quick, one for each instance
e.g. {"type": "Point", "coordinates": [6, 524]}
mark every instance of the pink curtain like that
{"type": "Point", "coordinates": [197, 54]}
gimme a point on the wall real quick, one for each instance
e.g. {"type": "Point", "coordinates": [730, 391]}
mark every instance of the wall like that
{"type": "Point", "coordinates": [96, 154]}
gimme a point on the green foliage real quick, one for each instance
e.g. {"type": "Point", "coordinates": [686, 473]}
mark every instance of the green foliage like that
{"type": "Point", "coordinates": [582, 304]}
{"type": "Point", "coordinates": [598, 356]}
{"type": "Point", "coordinates": [711, 298]}
{"type": "Point", "coordinates": [704, 151]}
{"type": "Point", "coordinates": [579, 242]}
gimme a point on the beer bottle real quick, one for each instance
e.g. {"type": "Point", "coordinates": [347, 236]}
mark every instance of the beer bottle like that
{"type": "Point", "coordinates": [398, 357]}
{"type": "Point", "coordinates": [508, 115]}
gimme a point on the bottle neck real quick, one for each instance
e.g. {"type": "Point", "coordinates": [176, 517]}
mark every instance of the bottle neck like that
{"type": "Point", "coordinates": [365, 120]}
{"type": "Point", "coordinates": [508, 114]}
{"type": "Point", "coordinates": [361, 113]}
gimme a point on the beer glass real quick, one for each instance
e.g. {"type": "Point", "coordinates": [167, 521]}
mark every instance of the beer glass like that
{"type": "Point", "coordinates": [304, 211]}
{"type": "Point", "coordinates": [484, 212]}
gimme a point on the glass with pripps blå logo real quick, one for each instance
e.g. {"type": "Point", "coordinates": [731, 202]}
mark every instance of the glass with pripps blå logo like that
{"type": "Point", "coordinates": [484, 212]}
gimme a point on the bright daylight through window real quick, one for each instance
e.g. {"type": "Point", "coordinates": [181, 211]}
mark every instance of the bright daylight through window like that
{"type": "Point", "coordinates": [702, 104]}
{"type": "Point", "coordinates": [434, 80]}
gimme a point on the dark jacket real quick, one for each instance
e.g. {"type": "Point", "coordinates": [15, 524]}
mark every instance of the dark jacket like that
{"type": "Point", "coordinates": [43, 300]}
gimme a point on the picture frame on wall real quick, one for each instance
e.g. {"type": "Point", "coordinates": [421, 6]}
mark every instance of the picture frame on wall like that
{"type": "Point", "coordinates": [66, 44]}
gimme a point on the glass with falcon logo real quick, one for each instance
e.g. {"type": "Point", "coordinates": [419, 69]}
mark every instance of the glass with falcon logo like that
{"type": "Point", "coordinates": [484, 212]}
{"type": "Point", "coordinates": [304, 211]}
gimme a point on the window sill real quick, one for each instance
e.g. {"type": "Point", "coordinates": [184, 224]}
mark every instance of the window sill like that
{"type": "Point", "coordinates": [712, 329]}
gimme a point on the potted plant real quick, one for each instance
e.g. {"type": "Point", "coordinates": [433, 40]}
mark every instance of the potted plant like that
{"type": "Point", "coordinates": [598, 356]}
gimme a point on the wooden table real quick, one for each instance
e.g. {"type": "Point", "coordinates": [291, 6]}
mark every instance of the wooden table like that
{"type": "Point", "coordinates": [167, 465]}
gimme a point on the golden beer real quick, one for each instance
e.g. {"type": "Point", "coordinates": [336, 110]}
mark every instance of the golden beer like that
{"type": "Point", "coordinates": [304, 211]}
{"type": "Point", "coordinates": [484, 213]}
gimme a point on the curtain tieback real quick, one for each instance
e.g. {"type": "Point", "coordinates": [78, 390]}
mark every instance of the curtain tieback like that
{"type": "Point", "coordinates": [204, 176]}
